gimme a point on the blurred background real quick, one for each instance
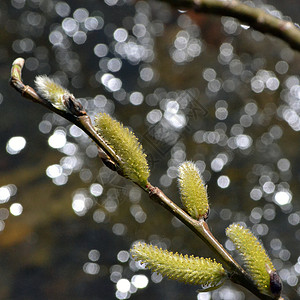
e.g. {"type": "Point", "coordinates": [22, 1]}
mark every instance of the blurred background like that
{"type": "Point", "coordinates": [192, 87]}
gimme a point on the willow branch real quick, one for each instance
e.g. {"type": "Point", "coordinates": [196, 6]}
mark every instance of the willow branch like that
{"type": "Point", "coordinates": [79, 117]}
{"type": "Point", "coordinates": [235, 272]}
{"type": "Point", "coordinates": [254, 17]}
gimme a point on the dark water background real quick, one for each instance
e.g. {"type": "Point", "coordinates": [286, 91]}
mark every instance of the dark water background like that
{"type": "Point", "coordinates": [219, 94]}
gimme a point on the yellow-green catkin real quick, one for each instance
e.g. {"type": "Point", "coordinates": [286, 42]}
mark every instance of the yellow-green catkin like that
{"type": "Point", "coordinates": [50, 90]}
{"type": "Point", "coordinates": [134, 164]}
{"type": "Point", "coordinates": [189, 269]}
{"type": "Point", "coordinates": [254, 255]}
{"type": "Point", "coordinates": [193, 191]}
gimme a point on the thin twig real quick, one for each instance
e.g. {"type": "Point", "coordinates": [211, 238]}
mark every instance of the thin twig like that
{"type": "Point", "coordinates": [235, 272]}
{"type": "Point", "coordinates": [80, 118]}
{"type": "Point", "coordinates": [255, 17]}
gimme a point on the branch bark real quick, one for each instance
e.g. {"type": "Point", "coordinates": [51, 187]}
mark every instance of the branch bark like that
{"type": "Point", "coordinates": [80, 118]}
{"type": "Point", "coordinates": [255, 17]}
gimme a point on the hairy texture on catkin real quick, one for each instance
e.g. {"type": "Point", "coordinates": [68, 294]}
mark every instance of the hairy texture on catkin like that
{"type": "Point", "coordinates": [134, 164]}
{"type": "Point", "coordinates": [192, 189]}
{"type": "Point", "coordinates": [189, 269]}
{"type": "Point", "coordinates": [50, 90]}
{"type": "Point", "coordinates": [254, 255]}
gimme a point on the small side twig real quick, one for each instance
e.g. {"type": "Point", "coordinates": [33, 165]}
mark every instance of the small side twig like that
{"type": "Point", "coordinates": [235, 272]}
{"type": "Point", "coordinates": [78, 116]}
{"type": "Point", "coordinates": [255, 17]}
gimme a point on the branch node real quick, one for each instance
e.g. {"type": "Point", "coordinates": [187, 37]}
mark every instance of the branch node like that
{"type": "Point", "coordinates": [25, 90]}
{"type": "Point", "coordinates": [73, 105]}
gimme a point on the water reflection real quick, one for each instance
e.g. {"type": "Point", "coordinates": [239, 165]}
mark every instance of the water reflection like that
{"type": "Point", "coordinates": [16, 209]}
{"type": "Point", "coordinates": [223, 181]}
{"type": "Point", "coordinates": [215, 102]}
{"type": "Point", "coordinates": [6, 192]}
{"type": "Point", "coordinates": [15, 145]}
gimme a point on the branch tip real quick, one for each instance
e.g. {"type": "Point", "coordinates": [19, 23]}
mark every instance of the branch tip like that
{"type": "Point", "coordinates": [19, 61]}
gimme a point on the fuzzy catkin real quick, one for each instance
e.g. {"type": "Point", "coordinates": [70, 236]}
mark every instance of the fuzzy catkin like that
{"type": "Point", "coordinates": [192, 190]}
{"type": "Point", "coordinates": [134, 164]}
{"type": "Point", "coordinates": [50, 90]}
{"type": "Point", "coordinates": [189, 269]}
{"type": "Point", "coordinates": [254, 255]}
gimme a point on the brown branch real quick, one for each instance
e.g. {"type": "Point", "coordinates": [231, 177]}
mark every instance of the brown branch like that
{"type": "Point", "coordinates": [235, 272]}
{"type": "Point", "coordinates": [79, 117]}
{"type": "Point", "coordinates": [255, 17]}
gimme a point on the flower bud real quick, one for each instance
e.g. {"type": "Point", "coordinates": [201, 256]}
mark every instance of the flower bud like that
{"type": "Point", "coordinates": [255, 258]}
{"type": "Point", "coordinates": [50, 90]}
{"type": "Point", "coordinates": [192, 189]}
{"type": "Point", "coordinates": [125, 144]}
{"type": "Point", "coordinates": [189, 269]}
